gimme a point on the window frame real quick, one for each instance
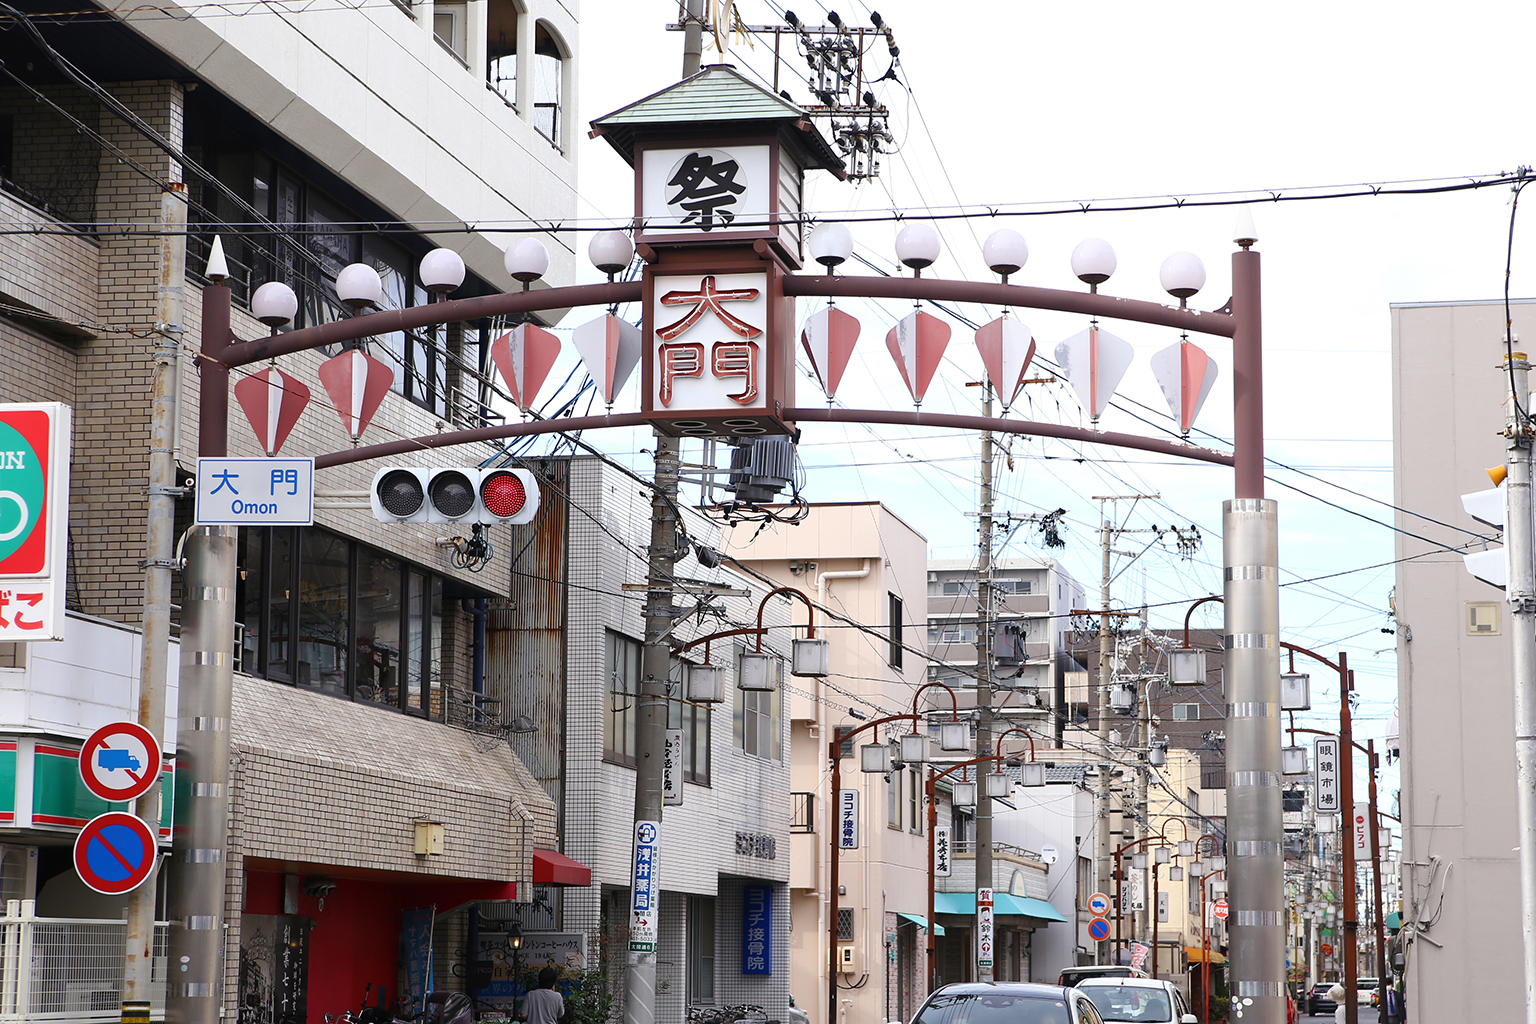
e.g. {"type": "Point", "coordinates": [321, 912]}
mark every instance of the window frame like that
{"type": "Point", "coordinates": [768, 724]}
{"type": "Point", "coordinates": [894, 629]}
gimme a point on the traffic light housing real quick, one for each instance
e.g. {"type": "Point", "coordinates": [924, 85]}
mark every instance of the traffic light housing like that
{"type": "Point", "coordinates": [412, 494]}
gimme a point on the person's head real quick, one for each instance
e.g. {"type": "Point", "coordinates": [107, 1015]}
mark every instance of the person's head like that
{"type": "Point", "coordinates": [547, 977]}
{"type": "Point", "coordinates": [1336, 993]}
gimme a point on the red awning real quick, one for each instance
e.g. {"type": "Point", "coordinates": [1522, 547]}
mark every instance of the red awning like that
{"type": "Point", "coordinates": [552, 868]}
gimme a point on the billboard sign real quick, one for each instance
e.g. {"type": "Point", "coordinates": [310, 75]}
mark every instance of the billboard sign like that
{"type": "Point", "coordinates": [34, 513]}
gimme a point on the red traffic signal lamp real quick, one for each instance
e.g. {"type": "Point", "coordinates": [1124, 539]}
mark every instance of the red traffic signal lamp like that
{"type": "Point", "coordinates": [410, 494]}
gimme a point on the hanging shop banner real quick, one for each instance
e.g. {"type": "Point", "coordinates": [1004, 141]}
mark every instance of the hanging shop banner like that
{"type": "Point", "coordinates": [416, 956]}
{"type": "Point", "coordinates": [1361, 823]}
{"type": "Point", "coordinates": [984, 937]}
{"type": "Point", "coordinates": [847, 819]}
{"type": "Point", "coordinates": [34, 511]}
{"type": "Point", "coordinates": [1325, 762]}
{"type": "Point", "coordinates": [941, 851]}
{"type": "Point", "coordinates": [672, 769]}
{"type": "Point", "coordinates": [757, 929]}
{"type": "Point", "coordinates": [644, 888]}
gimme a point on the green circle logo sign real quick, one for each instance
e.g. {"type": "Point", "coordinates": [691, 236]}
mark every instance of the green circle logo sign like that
{"type": "Point", "coordinates": [23, 491]}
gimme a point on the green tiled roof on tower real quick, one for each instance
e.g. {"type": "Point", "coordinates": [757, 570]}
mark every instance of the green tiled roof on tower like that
{"type": "Point", "coordinates": [718, 94]}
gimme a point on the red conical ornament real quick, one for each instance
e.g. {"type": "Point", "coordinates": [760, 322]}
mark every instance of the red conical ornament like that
{"type": "Point", "coordinates": [610, 348]}
{"type": "Point", "coordinates": [272, 402]}
{"type": "Point", "coordinates": [524, 357]}
{"type": "Point", "coordinates": [917, 344]}
{"type": "Point", "coordinates": [357, 384]}
{"type": "Point", "coordinates": [829, 337]}
{"type": "Point", "coordinates": [1006, 347]}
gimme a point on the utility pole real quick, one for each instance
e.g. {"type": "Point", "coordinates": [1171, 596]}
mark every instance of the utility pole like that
{"type": "Point", "coordinates": [1143, 825]}
{"type": "Point", "coordinates": [651, 724]}
{"type": "Point", "coordinates": [1521, 594]}
{"type": "Point", "coordinates": [159, 554]}
{"type": "Point", "coordinates": [693, 38]}
{"type": "Point", "coordinates": [984, 667]}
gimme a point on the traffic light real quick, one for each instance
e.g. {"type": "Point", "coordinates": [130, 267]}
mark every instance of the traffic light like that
{"type": "Point", "coordinates": [424, 495]}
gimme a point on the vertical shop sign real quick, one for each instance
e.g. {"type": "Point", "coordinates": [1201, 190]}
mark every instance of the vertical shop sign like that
{"type": "Point", "coordinates": [757, 929]}
{"type": "Point", "coordinates": [644, 888]}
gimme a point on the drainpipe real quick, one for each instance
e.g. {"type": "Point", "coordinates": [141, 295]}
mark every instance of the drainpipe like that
{"type": "Point", "coordinates": [823, 729]}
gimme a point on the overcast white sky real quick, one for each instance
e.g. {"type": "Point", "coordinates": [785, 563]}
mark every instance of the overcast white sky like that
{"type": "Point", "coordinates": [1007, 103]}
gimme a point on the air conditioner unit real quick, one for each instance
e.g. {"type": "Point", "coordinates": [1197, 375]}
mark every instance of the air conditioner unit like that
{"type": "Point", "coordinates": [90, 997]}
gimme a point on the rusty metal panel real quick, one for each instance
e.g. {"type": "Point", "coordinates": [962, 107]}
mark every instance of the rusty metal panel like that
{"type": "Point", "coordinates": [525, 634]}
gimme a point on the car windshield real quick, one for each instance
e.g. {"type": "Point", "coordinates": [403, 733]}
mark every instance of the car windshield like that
{"type": "Point", "coordinates": [1121, 1002]}
{"type": "Point", "coordinates": [994, 1008]}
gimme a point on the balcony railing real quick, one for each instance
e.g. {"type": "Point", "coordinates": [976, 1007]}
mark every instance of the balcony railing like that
{"type": "Point", "coordinates": [802, 812]}
{"type": "Point", "coordinates": [68, 969]}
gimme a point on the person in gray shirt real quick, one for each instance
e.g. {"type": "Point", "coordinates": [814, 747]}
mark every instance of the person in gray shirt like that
{"type": "Point", "coordinates": [544, 1005]}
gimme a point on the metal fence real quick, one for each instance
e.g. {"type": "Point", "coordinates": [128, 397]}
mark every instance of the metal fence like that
{"type": "Point", "coordinates": [68, 969]}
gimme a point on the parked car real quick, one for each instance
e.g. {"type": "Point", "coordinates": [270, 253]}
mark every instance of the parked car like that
{"type": "Point", "coordinates": [1073, 976]}
{"type": "Point", "coordinates": [1007, 1002]}
{"type": "Point", "coordinates": [1137, 999]}
{"type": "Point", "coordinates": [1318, 1001]}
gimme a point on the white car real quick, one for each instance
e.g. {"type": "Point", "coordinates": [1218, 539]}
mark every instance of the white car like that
{"type": "Point", "coordinates": [1007, 1002]}
{"type": "Point", "coordinates": [1148, 1000]}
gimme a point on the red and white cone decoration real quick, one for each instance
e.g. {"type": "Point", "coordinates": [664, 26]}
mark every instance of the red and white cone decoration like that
{"type": "Point", "coordinates": [610, 349]}
{"type": "Point", "coordinates": [829, 337]}
{"type": "Point", "coordinates": [917, 344]}
{"type": "Point", "coordinates": [1094, 362]}
{"type": "Point", "coordinates": [524, 357]}
{"type": "Point", "coordinates": [1006, 348]}
{"type": "Point", "coordinates": [357, 384]}
{"type": "Point", "coordinates": [1186, 374]}
{"type": "Point", "coordinates": [272, 402]}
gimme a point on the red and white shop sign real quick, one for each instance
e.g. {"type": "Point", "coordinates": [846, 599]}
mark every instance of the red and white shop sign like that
{"type": "Point", "coordinates": [709, 343]}
{"type": "Point", "coordinates": [34, 510]}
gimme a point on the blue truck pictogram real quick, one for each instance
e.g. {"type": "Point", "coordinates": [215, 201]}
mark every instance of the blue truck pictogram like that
{"type": "Point", "coordinates": [114, 759]}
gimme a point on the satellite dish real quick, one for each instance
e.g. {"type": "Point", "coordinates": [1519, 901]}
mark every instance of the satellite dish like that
{"type": "Point", "coordinates": [1048, 854]}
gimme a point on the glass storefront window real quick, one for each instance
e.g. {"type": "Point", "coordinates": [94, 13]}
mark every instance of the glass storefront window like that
{"type": "Point", "coordinates": [279, 583]}
{"type": "Point", "coordinates": [325, 571]}
{"type": "Point", "coordinates": [378, 628]}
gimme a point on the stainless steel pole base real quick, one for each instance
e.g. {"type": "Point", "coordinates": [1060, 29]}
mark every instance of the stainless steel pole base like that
{"type": "Point", "coordinates": [1255, 829]}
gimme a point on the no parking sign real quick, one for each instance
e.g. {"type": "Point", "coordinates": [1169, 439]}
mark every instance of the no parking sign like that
{"type": "Point", "coordinates": [115, 853]}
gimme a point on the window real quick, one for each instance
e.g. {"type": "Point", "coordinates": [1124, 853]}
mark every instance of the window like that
{"type": "Point", "coordinates": [701, 950]}
{"type": "Point", "coordinates": [693, 720]}
{"type": "Point", "coordinates": [1084, 881]}
{"type": "Point", "coordinates": [1186, 712]}
{"type": "Point", "coordinates": [450, 22]}
{"type": "Point", "coordinates": [548, 69]}
{"type": "Point", "coordinates": [844, 924]}
{"type": "Point", "coordinates": [1012, 586]}
{"type": "Point", "coordinates": [329, 614]}
{"type": "Point", "coordinates": [893, 603]}
{"type": "Point", "coordinates": [501, 26]}
{"type": "Point", "coordinates": [915, 801]}
{"type": "Point", "coordinates": [757, 725]}
{"type": "Point", "coordinates": [893, 798]}
{"type": "Point", "coordinates": [959, 588]}
{"type": "Point", "coordinates": [622, 663]}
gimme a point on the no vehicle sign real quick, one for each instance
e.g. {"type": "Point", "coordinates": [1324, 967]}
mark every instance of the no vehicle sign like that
{"type": "Point", "coordinates": [1098, 904]}
{"type": "Point", "coordinates": [115, 853]}
{"type": "Point", "coordinates": [120, 761]}
{"type": "Point", "coordinates": [255, 492]}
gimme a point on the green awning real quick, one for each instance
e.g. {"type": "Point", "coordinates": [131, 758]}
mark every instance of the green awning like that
{"type": "Point", "coordinates": [921, 922]}
{"type": "Point", "coordinates": [1002, 903]}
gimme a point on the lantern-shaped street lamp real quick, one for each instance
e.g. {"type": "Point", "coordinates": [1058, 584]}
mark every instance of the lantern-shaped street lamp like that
{"type": "Point", "coordinates": [705, 684]}
{"type": "Point", "coordinates": [1162, 855]}
{"type": "Point", "coordinates": [756, 672]}
{"type": "Point", "coordinates": [875, 758]}
{"type": "Point", "coordinates": [1188, 666]}
{"type": "Point", "coordinates": [1293, 760]}
{"type": "Point", "coordinates": [1032, 774]}
{"type": "Point", "coordinates": [809, 656]}
{"type": "Point", "coordinates": [914, 748]}
{"type": "Point", "coordinates": [999, 785]}
{"type": "Point", "coordinates": [954, 736]}
{"type": "Point", "coordinates": [1295, 691]}
{"type": "Point", "coordinates": [963, 794]}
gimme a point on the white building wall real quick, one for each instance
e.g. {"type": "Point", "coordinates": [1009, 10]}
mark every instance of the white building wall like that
{"type": "Point", "coordinates": [1460, 870]}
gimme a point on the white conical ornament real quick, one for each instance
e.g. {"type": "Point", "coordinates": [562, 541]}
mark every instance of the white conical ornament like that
{"type": "Point", "coordinates": [1094, 362]}
{"type": "Point", "coordinates": [1006, 348]}
{"type": "Point", "coordinates": [609, 348]}
{"type": "Point", "coordinates": [917, 343]}
{"type": "Point", "coordinates": [1185, 373]}
{"type": "Point", "coordinates": [829, 336]}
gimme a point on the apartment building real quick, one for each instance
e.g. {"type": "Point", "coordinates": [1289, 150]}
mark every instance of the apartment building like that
{"type": "Point", "coordinates": [307, 140]}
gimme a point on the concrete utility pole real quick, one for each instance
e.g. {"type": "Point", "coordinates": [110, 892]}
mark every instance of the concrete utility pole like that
{"type": "Point", "coordinates": [1521, 594]}
{"type": "Point", "coordinates": [984, 667]}
{"type": "Point", "coordinates": [1142, 826]}
{"type": "Point", "coordinates": [651, 722]}
{"type": "Point", "coordinates": [1106, 677]}
{"type": "Point", "coordinates": [693, 38]}
{"type": "Point", "coordinates": [159, 554]}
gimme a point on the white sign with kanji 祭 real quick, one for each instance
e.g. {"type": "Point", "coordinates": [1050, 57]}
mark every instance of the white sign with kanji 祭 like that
{"type": "Point", "coordinates": [34, 513]}
{"type": "Point", "coordinates": [984, 934]}
{"type": "Point", "coordinates": [698, 190]}
{"type": "Point", "coordinates": [708, 344]}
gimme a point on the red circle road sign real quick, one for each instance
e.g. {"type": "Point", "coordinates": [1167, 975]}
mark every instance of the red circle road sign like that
{"type": "Point", "coordinates": [1098, 929]}
{"type": "Point", "coordinates": [1098, 904]}
{"type": "Point", "coordinates": [1219, 908]}
{"type": "Point", "coordinates": [115, 853]}
{"type": "Point", "coordinates": [120, 761]}
{"type": "Point", "coordinates": [1326, 949]}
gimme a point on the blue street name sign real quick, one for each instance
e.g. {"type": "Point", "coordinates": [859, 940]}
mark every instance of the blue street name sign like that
{"type": "Point", "coordinates": [255, 492]}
